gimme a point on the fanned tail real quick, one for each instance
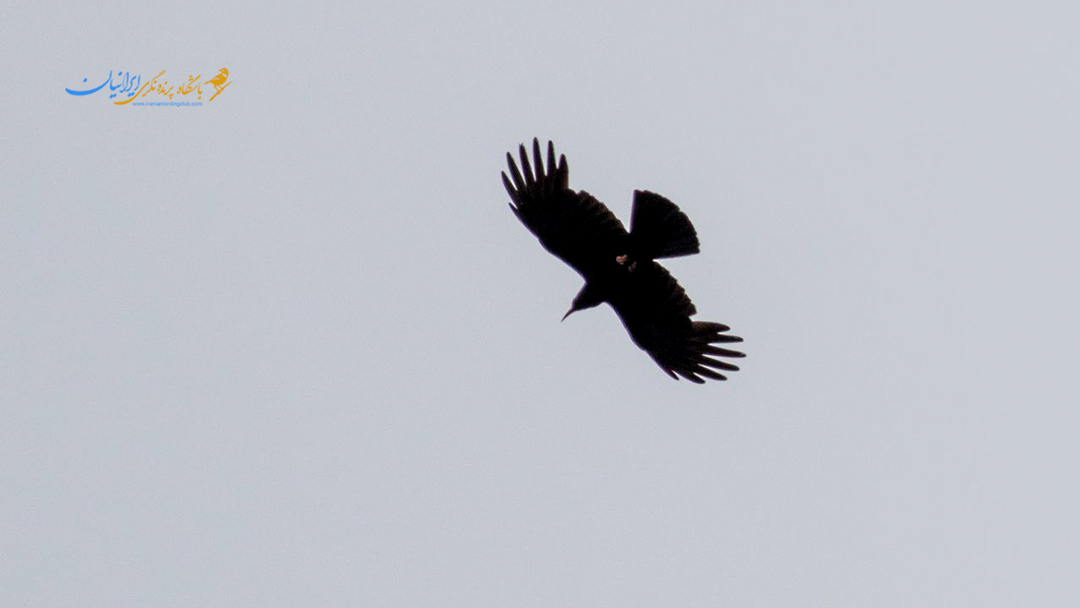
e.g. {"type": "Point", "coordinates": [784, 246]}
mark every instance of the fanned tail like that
{"type": "Point", "coordinates": [659, 229]}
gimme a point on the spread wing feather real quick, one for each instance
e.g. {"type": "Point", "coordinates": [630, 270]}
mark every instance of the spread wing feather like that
{"type": "Point", "coordinates": [656, 312]}
{"type": "Point", "coordinates": [573, 226]}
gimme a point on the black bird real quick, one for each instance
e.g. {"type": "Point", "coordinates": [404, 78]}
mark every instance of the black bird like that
{"type": "Point", "coordinates": [618, 266]}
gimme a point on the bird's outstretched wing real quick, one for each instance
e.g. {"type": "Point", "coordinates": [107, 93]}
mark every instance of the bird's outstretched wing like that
{"type": "Point", "coordinates": [573, 226]}
{"type": "Point", "coordinates": [656, 312]}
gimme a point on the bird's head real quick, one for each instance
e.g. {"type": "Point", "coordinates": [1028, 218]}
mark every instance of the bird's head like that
{"type": "Point", "coordinates": [588, 297]}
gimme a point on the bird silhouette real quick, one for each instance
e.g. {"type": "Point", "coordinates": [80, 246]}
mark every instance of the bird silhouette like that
{"type": "Point", "coordinates": [619, 267]}
{"type": "Point", "coordinates": [219, 80]}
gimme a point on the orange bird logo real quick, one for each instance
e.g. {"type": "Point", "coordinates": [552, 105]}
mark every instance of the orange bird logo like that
{"type": "Point", "coordinates": [219, 82]}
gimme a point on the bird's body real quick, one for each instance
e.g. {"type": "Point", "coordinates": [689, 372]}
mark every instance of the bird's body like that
{"type": "Point", "coordinates": [620, 267]}
{"type": "Point", "coordinates": [219, 80]}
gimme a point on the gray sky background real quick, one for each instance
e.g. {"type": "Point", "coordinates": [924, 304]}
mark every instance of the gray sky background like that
{"type": "Point", "coordinates": [291, 348]}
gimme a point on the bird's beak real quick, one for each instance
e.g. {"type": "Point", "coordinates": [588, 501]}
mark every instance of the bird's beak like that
{"type": "Point", "coordinates": [566, 315]}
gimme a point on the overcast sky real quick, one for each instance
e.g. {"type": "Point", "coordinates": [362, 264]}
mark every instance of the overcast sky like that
{"type": "Point", "coordinates": [290, 348]}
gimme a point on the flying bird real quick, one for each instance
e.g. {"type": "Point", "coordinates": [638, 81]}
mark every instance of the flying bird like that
{"type": "Point", "coordinates": [619, 267]}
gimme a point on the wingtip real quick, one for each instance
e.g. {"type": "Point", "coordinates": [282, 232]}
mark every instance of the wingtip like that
{"type": "Point", "coordinates": [538, 159]}
{"type": "Point", "coordinates": [526, 168]}
{"type": "Point", "coordinates": [509, 186]}
{"type": "Point", "coordinates": [517, 212]}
